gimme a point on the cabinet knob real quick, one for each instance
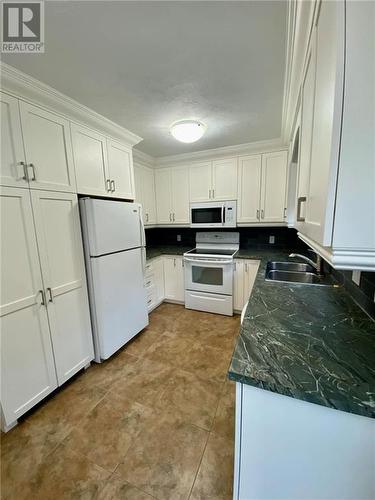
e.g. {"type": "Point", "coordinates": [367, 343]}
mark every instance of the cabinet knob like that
{"type": "Point", "coordinates": [31, 165]}
{"type": "Point", "coordinates": [258, 214]}
{"type": "Point", "coordinates": [113, 186]}
{"type": "Point", "coordinates": [108, 184]}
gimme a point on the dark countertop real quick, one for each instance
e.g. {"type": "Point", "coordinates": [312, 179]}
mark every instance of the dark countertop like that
{"type": "Point", "coordinates": [307, 342]}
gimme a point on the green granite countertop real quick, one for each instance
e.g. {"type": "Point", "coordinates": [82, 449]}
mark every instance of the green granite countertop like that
{"type": "Point", "coordinates": [307, 342]}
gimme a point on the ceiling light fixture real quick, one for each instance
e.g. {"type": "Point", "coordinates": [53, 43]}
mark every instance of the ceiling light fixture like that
{"type": "Point", "coordinates": [188, 130]}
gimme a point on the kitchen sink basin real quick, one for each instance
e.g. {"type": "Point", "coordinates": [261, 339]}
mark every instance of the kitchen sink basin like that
{"type": "Point", "coordinates": [290, 266]}
{"type": "Point", "coordinates": [293, 272]}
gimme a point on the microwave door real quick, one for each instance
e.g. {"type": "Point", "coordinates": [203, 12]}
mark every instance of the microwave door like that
{"type": "Point", "coordinates": [207, 216]}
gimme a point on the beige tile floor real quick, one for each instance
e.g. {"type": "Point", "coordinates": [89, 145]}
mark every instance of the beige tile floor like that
{"type": "Point", "coordinates": [154, 421]}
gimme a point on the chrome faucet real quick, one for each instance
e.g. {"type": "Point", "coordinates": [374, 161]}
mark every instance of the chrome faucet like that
{"type": "Point", "coordinates": [318, 265]}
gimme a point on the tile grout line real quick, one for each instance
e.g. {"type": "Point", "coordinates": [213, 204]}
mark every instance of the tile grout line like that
{"type": "Point", "coordinates": [208, 437]}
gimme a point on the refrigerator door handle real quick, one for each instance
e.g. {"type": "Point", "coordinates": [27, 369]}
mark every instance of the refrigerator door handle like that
{"type": "Point", "coordinates": [142, 228]}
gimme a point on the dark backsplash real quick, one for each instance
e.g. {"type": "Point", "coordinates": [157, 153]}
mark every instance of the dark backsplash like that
{"type": "Point", "coordinates": [258, 237]}
{"type": "Point", "coordinates": [362, 294]}
{"type": "Point", "coordinates": [250, 237]}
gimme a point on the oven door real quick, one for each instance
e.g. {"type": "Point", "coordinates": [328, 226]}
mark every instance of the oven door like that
{"type": "Point", "coordinates": [207, 214]}
{"type": "Point", "coordinates": [209, 275]}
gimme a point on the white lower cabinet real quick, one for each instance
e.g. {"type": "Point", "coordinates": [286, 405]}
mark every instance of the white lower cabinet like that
{"type": "Point", "coordinates": [45, 323]}
{"type": "Point", "coordinates": [245, 271]}
{"type": "Point", "coordinates": [154, 282]}
{"type": "Point", "coordinates": [286, 448]}
{"type": "Point", "coordinates": [174, 278]}
{"type": "Point", "coordinates": [27, 364]}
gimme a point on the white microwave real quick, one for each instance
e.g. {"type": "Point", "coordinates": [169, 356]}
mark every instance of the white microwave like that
{"type": "Point", "coordinates": [213, 214]}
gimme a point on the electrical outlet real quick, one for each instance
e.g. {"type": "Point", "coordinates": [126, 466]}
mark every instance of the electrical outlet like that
{"type": "Point", "coordinates": [272, 240]}
{"type": "Point", "coordinates": [179, 237]}
{"type": "Point", "coordinates": [356, 277]}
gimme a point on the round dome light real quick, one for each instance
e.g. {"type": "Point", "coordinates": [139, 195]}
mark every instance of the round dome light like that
{"type": "Point", "coordinates": [188, 130]}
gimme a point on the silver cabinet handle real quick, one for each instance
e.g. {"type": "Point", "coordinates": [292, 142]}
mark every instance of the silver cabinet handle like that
{"type": "Point", "coordinates": [285, 213]}
{"type": "Point", "coordinates": [262, 214]}
{"type": "Point", "coordinates": [246, 268]}
{"type": "Point", "coordinates": [174, 262]}
{"type": "Point", "coordinates": [174, 216]}
{"type": "Point", "coordinates": [25, 173]}
{"type": "Point", "coordinates": [170, 217]}
{"type": "Point", "coordinates": [213, 193]}
{"type": "Point", "coordinates": [235, 266]}
{"type": "Point", "coordinates": [258, 214]}
{"type": "Point", "coordinates": [108, 184]}
{"type": "Point", "coordinates": [33, 178]}
{"type": "Point", "coordinates": [43, 303]}
{"type": "Point", "coordinates": [209, 193]}
{"type": "Point", "coordinates": [146, 217]}
{"type": "Point", "coordinates": [300, 200]}
{"type": "Point", "coordinates": [49, 290]}
{"type": "Point", "coordinates": [113, 186]}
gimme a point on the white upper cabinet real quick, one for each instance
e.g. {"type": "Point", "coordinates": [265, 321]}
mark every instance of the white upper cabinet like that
{"type": "Point", "coordinates": [200, 181]}
{"type": "Point", "coordinates": [27, 363]}
{"type": "Point", "coordinates": [120, 167]}
{"type": "Point", "coordinates": [224, 179]}
{"type": "Point", "coordinates": [274, 173]}
{"type": "Point", "coordinates": [172, 195]}
{"type": "Point", "coordinates": [262, 188]}
{"type": "Point", "coordinates": [325, 134]}
{"type": "Point", "coordinates": [249, 181]}
{"type": "Point", "coordinates": [90, 161]}
{"type": "Point", "coordinates": [216, 180]}
{"type": "Point", "coordinates": [61, 257]}
{"type": "Point", "coordinates": [145, 192]}
{"type": "Point", "coordinates": [48, 149]}
{"type": "Point", "coordinates": [307, 116]}
{"type": "Point", "coordinates": [12, 168]}
{"type": "Point", "coordinates": [180, 195]}
{"type": "Point", "coordinates": [163, 195]}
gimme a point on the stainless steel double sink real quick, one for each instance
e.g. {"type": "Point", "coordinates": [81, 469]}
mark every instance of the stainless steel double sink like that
{"type": "Point", "coordinates": [296, 272]}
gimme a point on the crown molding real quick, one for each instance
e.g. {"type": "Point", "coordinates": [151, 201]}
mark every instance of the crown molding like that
{"type": "Point", "coordinates": [28, 88]}
{"type": "Point", "coordinates": [226, 151]}
{"type": "Point", "coordinates": [143, 158]}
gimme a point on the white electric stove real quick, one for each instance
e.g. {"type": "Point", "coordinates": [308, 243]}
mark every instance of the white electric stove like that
{"type": "Point", "coordinates": [209, 272]}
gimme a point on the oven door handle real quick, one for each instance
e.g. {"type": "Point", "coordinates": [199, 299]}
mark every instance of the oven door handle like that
{"type": "Point", "coordinates": [202, 261]}
{"type": "Point", "coordinates": [222, 214]}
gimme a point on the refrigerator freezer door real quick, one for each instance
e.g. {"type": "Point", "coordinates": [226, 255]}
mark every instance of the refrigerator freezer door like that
{"type": "Point", "coordinates": [112, 226]}
{"type": "Point", "coordinates": [118, 304]}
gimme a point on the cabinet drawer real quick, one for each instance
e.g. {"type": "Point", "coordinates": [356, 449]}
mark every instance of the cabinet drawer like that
{"type": "Point", "coordinates": [149, 280]}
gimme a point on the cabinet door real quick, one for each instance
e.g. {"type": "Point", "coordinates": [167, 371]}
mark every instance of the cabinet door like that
{"type": "Point", "coordinates": [12, 168]}
{"type": "Point", "coordinates": [90, 158]}
{"type": "Point", "coordinates": [48, 149]}
{"type": "Point", "coordinates": [238, 285]}
{"type": "Point", "coordinates": [170, 278]}
{"type": "Point", "coordinates": [250, 273]}
{"type": "Point", "coordinates": [180, 289]}
{"type": "Point", "coordinates": [174, 278]}
{"type": "Point", "coordinates": [180, 195]}
{"type": "Point", "coordinates": [163, 196]}
{"type": "Point", "coordinates": [200, 182]}
{"type": "Point", "coordinates": [249, 181]}
{"type": "Point", "coordinates": [159, 279]}
{"type": "Point", "coordinates": [27, 365]}
{"type": "Point", "coordinates": [61, 256]}
{"type": "Point", "coordinates": [307, 116]}
{"type": "Point", "coordinates": [148, 196]}
{"type": "Point", "coordinates": [120, 167]}
{"type": "Point", "coordinates": [224, 179]}
{"type": "Point", "coordinates": [138, 185]}
{"type": "Point", "coordinates": [327, 123]}
{"type": "Point", "coordinates": [274, 170]}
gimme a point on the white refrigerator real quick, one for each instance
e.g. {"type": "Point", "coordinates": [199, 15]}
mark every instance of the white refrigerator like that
{"type": "Point", "coordinates": [114, 243]}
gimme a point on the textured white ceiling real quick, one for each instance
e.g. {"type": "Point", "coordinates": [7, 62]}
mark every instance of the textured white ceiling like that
{"type": "Point", "coordinates": [145, 65]}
